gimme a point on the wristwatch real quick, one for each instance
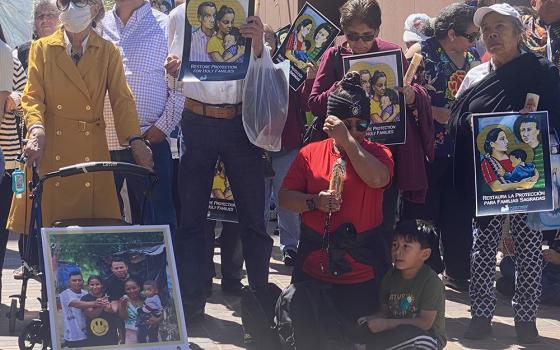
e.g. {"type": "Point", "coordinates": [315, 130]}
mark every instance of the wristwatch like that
{"type": "Point", "coordinates": [310, 204]}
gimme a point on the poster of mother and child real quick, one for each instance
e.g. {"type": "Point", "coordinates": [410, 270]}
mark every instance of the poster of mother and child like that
{"type": "Point", "coordinates": [512, 163]}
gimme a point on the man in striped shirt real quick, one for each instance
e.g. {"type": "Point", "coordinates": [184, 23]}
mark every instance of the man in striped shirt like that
{"type": "Point", "coordinates": [199, 38]}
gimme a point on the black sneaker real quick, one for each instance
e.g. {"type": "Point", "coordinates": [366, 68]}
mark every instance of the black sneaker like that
{"type": "Point", "coordinates": [527, 332]}
{"type": "Point", "coordinates": [479, 328]}
{"type": "Point", "coordinates": [289, 257]}
{"type": "Point", "coordinates": [458, 284]}
{"type": "Point", "coordinates": [232, 286]}
{"type": "Point", "coordinates": [505, 287]}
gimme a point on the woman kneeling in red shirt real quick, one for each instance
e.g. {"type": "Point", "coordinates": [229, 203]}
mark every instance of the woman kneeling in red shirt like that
{"type": "Point", "coordinates": [339, 245]}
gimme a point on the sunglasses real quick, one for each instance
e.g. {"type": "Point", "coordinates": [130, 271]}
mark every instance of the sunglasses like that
{"type": "Point", "coordinates": [64, 4]}
{"type": "Point", "coordinates": [359, 126]}
{"type": "Point", "coordinates": [356, 37]}
{"type": "Point", "coordinates": [472, 37]}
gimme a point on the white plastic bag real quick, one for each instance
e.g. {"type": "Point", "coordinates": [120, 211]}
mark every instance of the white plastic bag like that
{"type": "Point", "coordinates": [265, 101]}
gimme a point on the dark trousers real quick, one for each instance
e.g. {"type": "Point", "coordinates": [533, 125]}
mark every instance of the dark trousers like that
{"type": "Point", "coordinates": [206, 139]}
{"type": "Point", "coordinates": [159, 209]}
{"type": "Point", "coordinates": [6, 195]}
{"type": "Point", "coordinates": [451, 215]}
{"type": "Point", "coordinates": [350, 301]}
{"type": "Point", "coordinates": [231, 251]}
{"type": "Point", "coordinates": [147, 334]}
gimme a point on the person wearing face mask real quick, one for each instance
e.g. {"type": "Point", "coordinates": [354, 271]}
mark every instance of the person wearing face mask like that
{"type": "Point", "coordinates": [361, 20]}
{"type": "Point", "coordinates": [69, 74]}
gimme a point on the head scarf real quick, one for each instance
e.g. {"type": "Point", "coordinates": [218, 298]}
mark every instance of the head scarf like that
{"type": "Point", "coordinates": [349, 100]}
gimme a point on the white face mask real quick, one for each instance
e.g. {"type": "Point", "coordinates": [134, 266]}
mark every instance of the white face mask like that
{"type": "Point", "coordinates": [76, 19]}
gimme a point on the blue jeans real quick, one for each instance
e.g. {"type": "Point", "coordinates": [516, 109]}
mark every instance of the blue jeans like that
{"type": "Point", "coordinates": [205, 139]}
{"type": "Point", "coordinates": [288, 222]}
{"type": "Point", "coordinates": [550, 279]}
{"type": "Point", "coordinates": [159, 208]}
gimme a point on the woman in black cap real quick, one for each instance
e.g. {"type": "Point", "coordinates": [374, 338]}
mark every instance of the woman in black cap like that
{"type": "Point", "coordinates": [337, 185]}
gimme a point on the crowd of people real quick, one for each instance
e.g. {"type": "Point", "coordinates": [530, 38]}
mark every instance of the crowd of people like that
{"type": "Point", "coordinates": [95, 85]}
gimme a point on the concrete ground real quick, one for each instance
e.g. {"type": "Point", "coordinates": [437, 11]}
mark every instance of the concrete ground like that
{"type": "Point", "coordinates": [222, 327]}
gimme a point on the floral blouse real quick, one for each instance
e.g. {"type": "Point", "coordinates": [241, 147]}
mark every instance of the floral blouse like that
{"type": "Point", "coordinates": [442, 78]}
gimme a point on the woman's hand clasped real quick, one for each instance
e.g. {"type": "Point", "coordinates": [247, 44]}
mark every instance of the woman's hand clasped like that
{"type": "Point", "coordinates": [328, 201]}
{"type": "Point", "coordinates": [142, 154]}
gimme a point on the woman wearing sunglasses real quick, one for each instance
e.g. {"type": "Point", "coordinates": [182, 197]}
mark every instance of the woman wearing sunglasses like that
{"type": "Point", "coordinates": [447, 57]}
{"type": "Point", "coordinates": [340, 246]}
{"type": "Point", "coordinates": [360, 20]}
{"type": "Point", "coordinates": [69, 74]}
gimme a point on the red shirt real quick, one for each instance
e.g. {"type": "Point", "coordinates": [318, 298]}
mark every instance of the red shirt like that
{"type": "Point", "coordinates": [361, 205]}
{"type": "Point", "coordinates": [489, 173]}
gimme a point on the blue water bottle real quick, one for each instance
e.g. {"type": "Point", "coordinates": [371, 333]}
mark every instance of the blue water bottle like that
{"type": "Point", "coordinates": [18, 183]}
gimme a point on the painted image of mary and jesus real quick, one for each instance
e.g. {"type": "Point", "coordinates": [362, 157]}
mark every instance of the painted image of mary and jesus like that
{"type": "Point", "coordinates": [216, 38]}
{"type": "Point", "coordinates": [506, 168]}
{"type": "Point", "coordinates": [307, 42]}
{"type": "Point", "coordinates": [384, 101]}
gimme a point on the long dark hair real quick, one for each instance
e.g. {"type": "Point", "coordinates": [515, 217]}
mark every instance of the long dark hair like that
{"type": "Point", "coordinates": [224, 10]}
{"type": "Point", "coordinates": [303, 23]}
{"type": "Point", "coordinates": [492, 136]}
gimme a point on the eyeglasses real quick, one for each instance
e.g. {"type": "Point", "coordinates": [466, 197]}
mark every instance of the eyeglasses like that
{"type": "Point", "coordinates": [64, 4]}
{"type": "Point", "coordinates": [356, 37]}
{"type": "Point", "coordinates": [359, 126]}
{"type": "Point", "coordinates": [472, 37]}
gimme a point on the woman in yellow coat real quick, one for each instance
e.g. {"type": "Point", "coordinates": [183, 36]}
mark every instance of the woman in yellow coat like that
{"type": "Point", "coordinates": [70, 72]}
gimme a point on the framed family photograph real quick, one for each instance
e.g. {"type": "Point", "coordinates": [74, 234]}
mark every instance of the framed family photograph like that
{"type": "Point", "coordinates": [221, 206]}
{"type": "Point", "coordinates": [307, 39]}
{"type": "Point", "coordinates": [113, 287]}
{"type": "Point", "coordinates": [214, 49]}
{"type": "Point", "coordinates": [512, 163]}
{"type": "Point", "coordinates": [380, 75]}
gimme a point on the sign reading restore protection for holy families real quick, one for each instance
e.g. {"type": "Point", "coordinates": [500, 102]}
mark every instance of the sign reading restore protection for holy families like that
{"type": "Point", "coordinates": [512, 163]}
{"type": "Point", "coordinates": [214, 49]}
{"type": "Point", "coordinates": [308, 38]}
{"type": "Point", "coordinates": [380, 75]}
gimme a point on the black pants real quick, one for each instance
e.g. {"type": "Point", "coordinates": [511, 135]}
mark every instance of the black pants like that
{"type": "Point", "coordinates": [451, 215]}
{"type": "Point", "coordinates": [231, 251]}
{"type": "Point", "coordinates": [205, 140]}
{"type": "Point", "coordinates": [351, 302]}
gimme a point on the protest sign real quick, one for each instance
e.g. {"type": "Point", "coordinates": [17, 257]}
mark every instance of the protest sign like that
{"type": "Point", "coordinates": [308, 38]}
{"type": "Point", "coordinates": [222, 205]}
{"type": "Point", "coordinates": [281, 35]}
{"type": "Point", "coordinates": [214, 49]}
{"type": "Point", "coordinates": [512, 163]}
{"type": "Point", "coordinates": [380, 75]}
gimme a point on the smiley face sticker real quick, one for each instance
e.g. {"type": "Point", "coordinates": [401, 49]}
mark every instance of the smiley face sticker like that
{"type": "Point", "coordinates": [99, 326]}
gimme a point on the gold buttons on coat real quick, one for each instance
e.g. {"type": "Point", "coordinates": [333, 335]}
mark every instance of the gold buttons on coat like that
{"type": "Point", "coordinates": [58, 132]}
{"type": "Point", "coordinates": [57, 157]}
{"type": "Point", "coordinates": [59, 107]}
{"type": "Point", "coordinates": [57, 184]}
{"type": "Point", "coordinates": [86, 159]}
{"type": "Point", "coordinates": [87, 184]}
{"type": "Point", "coordinates": [87, 133]}
{"type": "Point", "coordinates": [88, 108]}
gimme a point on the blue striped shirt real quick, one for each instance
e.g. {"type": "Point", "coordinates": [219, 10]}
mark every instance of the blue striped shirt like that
{"type": "Point", "coordinates": [143, 46]}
